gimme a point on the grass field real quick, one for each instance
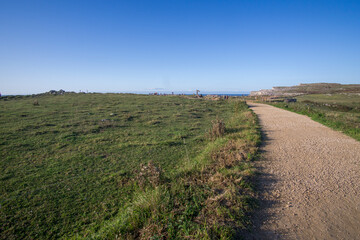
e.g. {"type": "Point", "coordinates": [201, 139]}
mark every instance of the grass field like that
{"type": "Point", "coordinates": [105, 166]}
{"type": "Point", "coordinates": [338, 111]}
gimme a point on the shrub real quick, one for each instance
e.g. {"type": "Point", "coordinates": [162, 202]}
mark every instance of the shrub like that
{"type": "Point", "coordinates": [150, 174]}
{"type": "Point", "coordinates": [217, 129]}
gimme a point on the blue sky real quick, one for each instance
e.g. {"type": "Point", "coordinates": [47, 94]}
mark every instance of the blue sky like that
{"type": "Point", "coordinates": [114, 46]}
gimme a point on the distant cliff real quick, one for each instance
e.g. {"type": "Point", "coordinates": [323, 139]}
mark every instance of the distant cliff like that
{"type": "Point", "coordinates": [311, 88]}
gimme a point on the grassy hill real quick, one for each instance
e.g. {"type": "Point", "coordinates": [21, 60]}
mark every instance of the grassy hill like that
{"type": "Point", "coordinates": [125, 166]}
{"type": "Point", "coordinates": [311, 88]}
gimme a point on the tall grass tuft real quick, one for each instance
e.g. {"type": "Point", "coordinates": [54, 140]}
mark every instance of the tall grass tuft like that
{"type": "Point", "coordinates": [150, 175]}
{"type": "Point", "coordinates": [218, 129]}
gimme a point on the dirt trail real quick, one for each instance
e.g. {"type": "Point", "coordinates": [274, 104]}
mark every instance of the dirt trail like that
{"type": "Point", "coordinates": [310, 179]}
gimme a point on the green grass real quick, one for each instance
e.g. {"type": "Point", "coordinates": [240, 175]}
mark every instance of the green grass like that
{"type": "Point", "coordinates": [349, 100]}
{"type": "Point", "coordinates": [71, 167]}
{"type": "Point", "coordinates": [338, 111]}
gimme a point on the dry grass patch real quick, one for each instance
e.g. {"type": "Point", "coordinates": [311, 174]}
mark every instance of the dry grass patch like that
{"type": "Point", "coordinates": [218, 129]}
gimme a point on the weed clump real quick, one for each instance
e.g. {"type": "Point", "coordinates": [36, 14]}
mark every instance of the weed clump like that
{"type": "Point", "coordinates": [150, 175]}
{"type": "Point", "coordinates": [231, 154]}
{"type": "Point", "coordinates": [217, 130]}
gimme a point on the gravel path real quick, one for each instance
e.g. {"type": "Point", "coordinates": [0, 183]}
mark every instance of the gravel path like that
{"type": "Point", "coordinates": [310, 181]}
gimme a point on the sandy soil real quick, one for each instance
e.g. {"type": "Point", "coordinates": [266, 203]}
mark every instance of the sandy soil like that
{"type": "Point", "coordinates": [309, 181]}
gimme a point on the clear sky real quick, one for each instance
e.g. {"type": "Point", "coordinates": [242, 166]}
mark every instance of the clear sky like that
{"type": "Point", "coordinates": [113, 46]}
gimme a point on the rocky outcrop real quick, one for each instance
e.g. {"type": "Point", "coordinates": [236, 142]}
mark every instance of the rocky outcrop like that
{"type": "Point", "coordinates": [54, 92]}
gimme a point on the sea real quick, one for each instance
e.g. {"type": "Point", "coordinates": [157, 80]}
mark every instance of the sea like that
{"type": "Point", "coordinates": [189, 93]}
{"type": "Point", "coordinates": [237, 94]}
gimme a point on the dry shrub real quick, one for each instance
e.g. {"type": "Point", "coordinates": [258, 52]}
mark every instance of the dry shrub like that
{"type": "Point", "coordinates": [217, 129]}
{"type": "Point", "coordinates": [230, 155]}
{"type": "Point", "coordinates": [150, 175]}
{"type": "Point", "coordinates": [224, 205]}
{"type": "Point", "coordinates": [247, 114]}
